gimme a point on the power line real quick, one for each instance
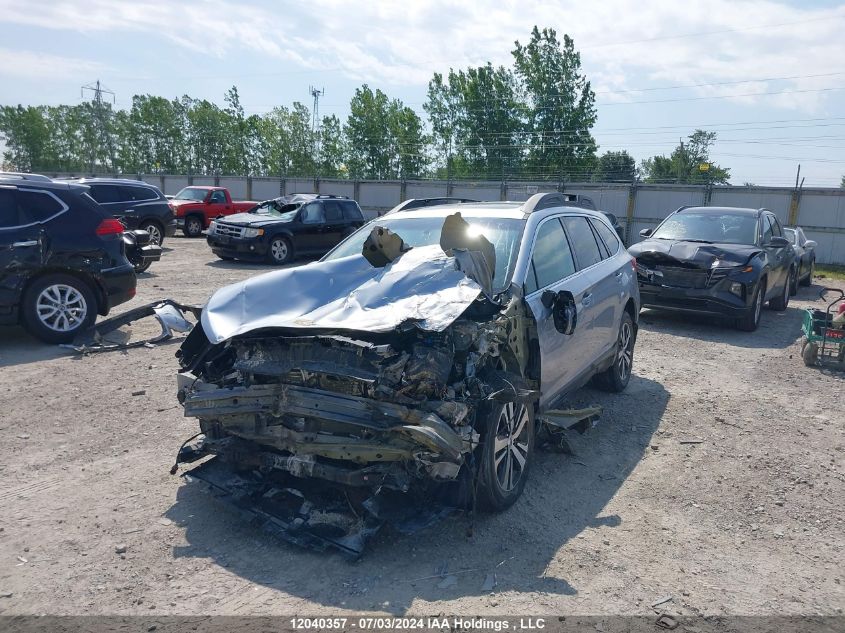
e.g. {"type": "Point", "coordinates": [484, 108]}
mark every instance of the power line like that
{"type": "Point", "coordinates": [100, 117]}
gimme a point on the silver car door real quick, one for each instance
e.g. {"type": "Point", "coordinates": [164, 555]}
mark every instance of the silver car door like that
{"type": "Point", "coordinates": [610, 279]}
{"type": "Point", "coordinates": [552, 268]}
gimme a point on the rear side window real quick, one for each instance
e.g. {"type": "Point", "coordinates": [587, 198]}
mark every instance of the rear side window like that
{"type": "Point", "coordinates": [351, 211]}
{"type": "Point", "coordinates": [218, 197]}
{"type": "Point", "coordinates": [20, 208]}
{"type": "Point", "coordinates": [333, 211]}
{"type": "Point", "coordinates": [608, 237]}
{"type": "Point", "coordinates": [137, 194]}
{"type": "Point", "coordinates": [583, 241]}
{"type": "Point", "coordinates": [312, 213]}
{"type": "Point", "coordinates": [106, 194]}
{"type": "Point", "coordinates": [551, 260]}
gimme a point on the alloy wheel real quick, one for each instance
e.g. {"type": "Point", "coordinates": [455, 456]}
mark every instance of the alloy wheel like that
{"type": "Point", "coordinates": [155, 233]}
{"type": "Point", "coordinates": [510, 450]}
{"type": "Point", "coordinates": [61, 308]}
{"type": "Point", "coordinates": [625, 353]}
{"type": "Point", "coordinates": [279, 250]}
{"type": "Point", "coordinates": [194, 226]}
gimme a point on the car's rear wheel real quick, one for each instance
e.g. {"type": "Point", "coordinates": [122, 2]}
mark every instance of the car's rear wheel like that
{"type": "Point", "coordinates": [793, 282]}
{"type": "Point", "coordinates": [57, 307]}
{"type": "Point", "coordinates": [782, 300]}
{"type": "Point", "coordinates": [280, 251]}
{"type": "Point", "coordinates": [751, 320]}
{"type": "Point", "coordinates": [616, 377]}
{"type": "Point", "coordinates": [506, 454]}
{"type": "Point", "coordinates": [808, 280]}
{"type": "Point", "coordinates": [193, 226]}
{"type": "Point", "coordinates": [155, 231]}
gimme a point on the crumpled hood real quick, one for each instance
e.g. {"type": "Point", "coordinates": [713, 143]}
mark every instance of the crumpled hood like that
{"type": "Point", "coordinates": [250, 219]}
{"type": "Point", "coordinates": [691, 254]}
{"type": "Point", "coordinates": [423, 286]}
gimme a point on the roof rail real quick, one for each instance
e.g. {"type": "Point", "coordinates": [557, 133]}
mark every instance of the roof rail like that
{"type": "Point", "coordinates": [540, 201]}
{"type": "Point", "coordinates": [23, 176]}
{"type": "Point", "coordinates": [321, 196]}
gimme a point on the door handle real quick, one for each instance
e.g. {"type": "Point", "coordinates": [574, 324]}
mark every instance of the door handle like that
{"type": "Point", "coordinates": [587, 299]}
{"type": "Point", "coordinates": [23, 244]}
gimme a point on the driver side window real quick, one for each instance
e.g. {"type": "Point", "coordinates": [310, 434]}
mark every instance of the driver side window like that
{"type": "Point", "coordinates": [768, 232]}
{"type": "Point", "coordinates": [312, 213]}
{"type": "Point", "coordinates": [551, 260]}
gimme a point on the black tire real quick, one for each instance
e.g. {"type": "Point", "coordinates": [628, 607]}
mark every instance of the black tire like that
{"type": "Point", "coordinates": [193, 226]}
{"type": "Point", "coordinates": [280, 250]}
{"type": "Point", "coordinates": [793, 282]}
{"type": "Point", "coordinates": [781, 302]}
{"type": "Point", "coordinates": [77, 312]}
{"type": "Point", "coordinates": [808, 280]}
{"type": "Point", "coordinates": [155, 230]}
{"type": "Point", "coordinates": [810, 354]}
{"type": "Point", "coordinates": [497, 488]}
{"type": "Point", "coordinates": [140, 268]}
{"type": "Point", "coordinates": [226, 258]}
{"type": "Point", "coordinates": [616, 377]}
{"type": "Point", "coordinates": [751, 321]}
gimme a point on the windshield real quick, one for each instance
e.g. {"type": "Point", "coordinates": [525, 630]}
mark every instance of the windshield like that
{"type": "Point", "coordinates": [503, 233]}
{"type": "Point", "coordinates": [721, 228]}
{"type": "Point", "coordinates": [189, 193]}
{"type": "Point", "coordinates": [284, 212]}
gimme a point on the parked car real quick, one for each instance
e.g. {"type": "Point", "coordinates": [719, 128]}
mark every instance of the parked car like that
{"type": "Point", "coordinates": [279, 230]}
{"type": "Point", "coordinates": [421, 352]}
{"type": "Point", "coordinates": [196, 207]}
{"type": "Point", "coordinates": [805, 256]}
{"type": "Point", "coordinates": [718, 261]}
{"type": "Point", "coordinates": [135, 203]}
{"type": "Point", "coordinates": [61, 257]}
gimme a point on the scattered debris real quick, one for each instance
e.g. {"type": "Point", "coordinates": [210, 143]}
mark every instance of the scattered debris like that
{"type": "Point", "coordinates": [140, 392]}
{"type": "Point", "coordinates": [22, 559]}
{"type": "Point", "coordinates": [120, 549]}
{"type": "Point", "coordinates": [169, 314]}
{"type": "Point", "coordinates": [663, 600]}
{"type": "Point", "coordinates": [6, 594]}
{"type": "Point", "coordinates": [691, 441]}
{"type": "Point", "coordinates": [666, 622]}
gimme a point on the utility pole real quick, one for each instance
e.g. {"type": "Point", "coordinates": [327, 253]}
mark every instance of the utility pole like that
{"type": "Point", "coordinates": [315, 124]}
{"type": "Point", "coordinates": [100, 118]}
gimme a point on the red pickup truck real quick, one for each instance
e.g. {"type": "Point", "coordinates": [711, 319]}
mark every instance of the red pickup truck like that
{"type": "Point", "coordinates": [196, 207]}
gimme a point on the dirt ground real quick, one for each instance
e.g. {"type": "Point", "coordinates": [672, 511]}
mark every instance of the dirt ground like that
{"type": "Point", "coordinates": [748, 521]}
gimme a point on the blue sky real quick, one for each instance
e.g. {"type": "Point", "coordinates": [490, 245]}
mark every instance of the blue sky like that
{"type": "Point", "coordinates": [768, 77]}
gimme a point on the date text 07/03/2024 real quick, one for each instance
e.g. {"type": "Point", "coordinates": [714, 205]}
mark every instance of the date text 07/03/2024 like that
{"type": "Point", "coordinates": [409, 624]}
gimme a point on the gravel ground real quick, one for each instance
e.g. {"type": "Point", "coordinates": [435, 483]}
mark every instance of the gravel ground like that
{"type": "Point", "coordinates": [748, 521]}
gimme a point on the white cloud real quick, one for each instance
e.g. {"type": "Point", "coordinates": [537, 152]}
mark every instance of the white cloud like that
{"type": "Point", "coordinates": [32, 65]}
{"type": "Point", "coordinates": [402, 43]}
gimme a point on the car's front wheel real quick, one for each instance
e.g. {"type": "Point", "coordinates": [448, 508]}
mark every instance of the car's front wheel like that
{"type": "Point", "coordinates": [808, 280]}
{"type": "Point", "coordinates": [781, 302]}
{"type": "Point", "coordinates": [280, 251]}
{"type": "Point", "coordinates": [193, 226]}
{"type": "Point", "coordinates": [506, 454]}
{"type": "Point", "coordinates": [751, 320]}
{"type": "Point", "coordinates": [57, 307]}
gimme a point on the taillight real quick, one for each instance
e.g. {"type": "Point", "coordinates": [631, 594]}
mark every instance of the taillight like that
{"type": "Point", "coordinates": [110, 226]}
{"type": "Point", "coordinates": [634, 263]}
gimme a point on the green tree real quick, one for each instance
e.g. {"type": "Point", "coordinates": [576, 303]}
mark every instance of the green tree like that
{"type": "Point", "coordinates": [561, 106]}
{"type": "Point", "coordinates": [26, 134]}
{"type": "Point", "coordinates": [442, 108]}
{"type": "Point", "coordinates": [689, 163]}
{"type": "Point", "coordinates": [615, 167]}
{"type": "Point", "coordinates": [842, 182]}
{"type": "Point", "coordinates": [332, 148]}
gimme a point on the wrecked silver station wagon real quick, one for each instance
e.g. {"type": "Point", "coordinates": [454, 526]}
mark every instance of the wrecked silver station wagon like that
{"type": "Point", "coordinates": [408, 370]}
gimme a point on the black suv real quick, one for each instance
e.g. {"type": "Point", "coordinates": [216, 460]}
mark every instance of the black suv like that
{"type": "Point", "coordinates": [61, 257]}
{"type": "Point", "coordinates": [136, 204]}
{"type": "Point", "coordinates": [283, 228]}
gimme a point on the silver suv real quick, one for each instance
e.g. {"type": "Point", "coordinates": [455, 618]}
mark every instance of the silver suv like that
{"type": "Point", "coordinates": [423, 351]}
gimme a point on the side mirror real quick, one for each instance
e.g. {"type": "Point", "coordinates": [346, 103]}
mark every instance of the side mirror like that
{"type": "Point", "coordinates": [564, 312]}
{"type": "Point", "coordinates": [646, 232]}
{"type": "Point", "coordinates": [779, 242]}
{"type": "Point", "coordinates": [810, 244]}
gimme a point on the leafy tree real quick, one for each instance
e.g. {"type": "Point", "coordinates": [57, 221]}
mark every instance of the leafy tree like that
{"type": "Point", "coordinates": [26, 135]}
{"type": "Point", "coordinates": [842, 183]}
{"type": "Point", "coordinates": [332, 148]}
{"type": "Point", "coordinates": [615, 167]}
{"type": "Point", "coordinates": [442, 108]}
{"type": "Point", "coordinates": [689, 163]}
{"type": "Point", "coordinates": [561, 106]}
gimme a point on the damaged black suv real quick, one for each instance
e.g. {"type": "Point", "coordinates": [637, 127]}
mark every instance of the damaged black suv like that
{"type": "Point", "coordinates": [416, 360]}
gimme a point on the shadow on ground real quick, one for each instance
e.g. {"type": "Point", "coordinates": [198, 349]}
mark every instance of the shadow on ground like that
{"type": "Point", "coordinates": [565, 496]}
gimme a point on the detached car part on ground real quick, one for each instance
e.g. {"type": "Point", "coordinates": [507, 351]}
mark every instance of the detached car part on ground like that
{"type": "Point", "coordinates": [399, 376]}
{"type": "Point", "coordinates": [716, 261]}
